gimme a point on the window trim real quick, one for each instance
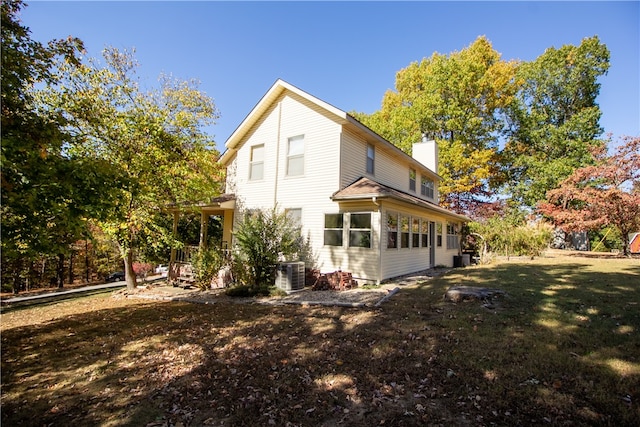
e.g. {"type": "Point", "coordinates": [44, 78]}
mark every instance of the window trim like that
{"type": "Point", "coordinates": [415, 232]}
{"type": "Point", "coordinates": [291, 157]}
{"type": "Point", "coordinates": [413, 175]}
{"type": "Point", "coordinates": [453, 231]}
{"type": "Point", "coordinates": [325, 229]}
{"type": "Point", "coordinates": [392, 230]}
{"type": "Point", "coordinates": [427, 190]}
{"type": "Point", "coordinates": [360, 230]}
{"type": "Point", "coordinates": [253, 163]}
{"type": "Point", "coordinates": [371, 160]}
{"type": "Point", "coordinates": [424, 233]}
{"type": "Point", "coordinates": [405, 231]}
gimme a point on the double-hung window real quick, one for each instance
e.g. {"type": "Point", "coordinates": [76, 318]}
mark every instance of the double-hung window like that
{"type": "Point", "coordinates": [392, 231]}
{"type": "Point", "coordinates": [333, 226]}
{"type": "Point", "coordinates": [256, 165]}
{"type": "Point", "coordinates": [425, 233]}
{"type": "Point", "coordinates": [412, 180]}
{"type": "Point", "coordinates": [452, 236]}
{"type": "Point", "coordinates": [371, 159]}
{"type": "Point", "coordinates": [404, 231]}
{"type": "Point", "coordinates": [295, 156]}
{"type": "Point", "coordinates": [415, 232]}
{"type": "Point", "coordinates": [426, 187]}
{"type": "Point", "coordinates": [294, 215]}
{"type": "Point", "coordinates": [360, 230]}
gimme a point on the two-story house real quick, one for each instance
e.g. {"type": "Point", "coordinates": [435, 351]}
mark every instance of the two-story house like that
{"type": "Point", "coordinates": [365, 206]}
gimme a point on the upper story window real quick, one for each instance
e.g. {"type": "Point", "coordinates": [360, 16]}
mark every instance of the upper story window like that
{"type": "Point", "coordinates": [426, 187]}
{"type": "Point", "coordinates": [295, 156]}
{"type": "Point", "coordinates": [256, 165]}
{"type": "Point", "coordinates": [412, 179]}
{"type": "Point", "coordinates": [371, 159]}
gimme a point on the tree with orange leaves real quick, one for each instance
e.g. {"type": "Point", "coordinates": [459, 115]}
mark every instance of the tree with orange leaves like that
{"type": "Point", "coordinates": [607, 193]}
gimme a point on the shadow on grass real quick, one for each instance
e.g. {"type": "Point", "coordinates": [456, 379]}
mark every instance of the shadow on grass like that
{"type": "Point", "coordinates": [561, 348]}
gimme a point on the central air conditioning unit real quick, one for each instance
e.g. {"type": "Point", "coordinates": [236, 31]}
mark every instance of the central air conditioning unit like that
{"type": "Point", "coordinates": [290, 276]}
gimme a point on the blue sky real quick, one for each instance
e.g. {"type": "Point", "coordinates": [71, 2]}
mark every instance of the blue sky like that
{"type": "Point", "coordinates": [345, 53]}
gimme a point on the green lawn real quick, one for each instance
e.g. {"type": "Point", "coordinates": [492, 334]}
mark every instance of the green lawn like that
{"type": "Point", "coordinates": [562, 348]}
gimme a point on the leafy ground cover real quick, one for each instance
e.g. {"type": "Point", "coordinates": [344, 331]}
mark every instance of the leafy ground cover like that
{"type": "Point", "coordinates": [561, 348]}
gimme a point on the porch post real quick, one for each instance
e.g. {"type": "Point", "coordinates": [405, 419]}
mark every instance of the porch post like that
{"type": "Point", "coordinates": [227, 227]}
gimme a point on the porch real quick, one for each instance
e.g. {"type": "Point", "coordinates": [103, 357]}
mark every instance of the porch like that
{"type": "Point", "coordinates": [180, 269]}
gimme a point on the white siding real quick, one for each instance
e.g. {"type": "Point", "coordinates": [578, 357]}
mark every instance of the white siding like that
{"type": "Point", "coordinates": [334, 157]}
{"type": "Point", "coordinates": [399, 261]}
{"type": "Point", "coordinates": [391, 166]}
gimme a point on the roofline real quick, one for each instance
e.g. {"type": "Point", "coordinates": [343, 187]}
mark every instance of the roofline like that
{"type": "Point", "coordinates": [389, 145]}
{"type": "Point", "coordinates": [274, 92]}
{"type": "Point", "coordinates": [408, 199]}
{"type": "Point", "coordinates": [278, 87]}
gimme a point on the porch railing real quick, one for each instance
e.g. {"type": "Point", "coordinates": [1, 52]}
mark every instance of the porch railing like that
{"type": "Point", "coordinates": [184, 254]}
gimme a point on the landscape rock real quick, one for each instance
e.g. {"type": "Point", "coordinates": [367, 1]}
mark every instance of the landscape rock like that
{"type": "Point", "coordinates": [464, 293]}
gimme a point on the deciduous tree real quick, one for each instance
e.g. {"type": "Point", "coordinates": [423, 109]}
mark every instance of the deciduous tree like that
{"type": "Point", "coordinates": [156, 139]}
{"type": "Point", "coordinates": [455, 99]}
{"type": "Point", "coordinates": [47, 193]}
{"type": "Point", "coordinates": [602, 194]}
{"type": "Point", "coordinates": [555, 121]}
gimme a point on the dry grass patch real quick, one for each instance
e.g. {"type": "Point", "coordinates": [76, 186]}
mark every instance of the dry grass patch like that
{"type": "Point", "coordinates": [561, 348]}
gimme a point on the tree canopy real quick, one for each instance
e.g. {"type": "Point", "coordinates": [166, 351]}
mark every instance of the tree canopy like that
{"type": "Point", "coordinates": [606, 193]}
{"type": "Point", "coordinates": [515, 127]}
{"type": "Point", "coordinates": [456, 100]}
{"type": "Point", "coordinates": [48, 194]}
{"type": "Point", "coordinates": [154, 138]}
{"type": "Point", "coordinates": [554, 122]}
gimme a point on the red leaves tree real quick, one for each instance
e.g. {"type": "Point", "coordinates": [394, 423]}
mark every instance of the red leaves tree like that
{"type": "Point", "coordinates": [607, 193]}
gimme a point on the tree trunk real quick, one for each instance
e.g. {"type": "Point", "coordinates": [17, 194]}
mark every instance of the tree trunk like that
{"type": "Point", "coordinates": [60, 271]}
{"type": "Point", "coordinates": [71, 268]}
{"type": "Point", "coordinates": [130, 275]}
{"type": "Point", "coordinates": [87, 274]}
{"type": "Point", "coordinates": [17, 266]}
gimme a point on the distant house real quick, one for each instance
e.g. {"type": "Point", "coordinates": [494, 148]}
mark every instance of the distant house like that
{"type": "Point", "coordinates": [364, 205]}
{"type": "Point", "coordinates": [634, 243]}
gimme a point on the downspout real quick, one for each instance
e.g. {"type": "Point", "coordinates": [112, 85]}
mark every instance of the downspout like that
{"type": "Point", "coordinates": [374, 200]}
{"type": "Point", "coordinates": [275, 183]}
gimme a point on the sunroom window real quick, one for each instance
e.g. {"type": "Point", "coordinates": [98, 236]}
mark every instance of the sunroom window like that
{"type": "Point", "coordinates": [360, 230]}
{"type": "Point", "coordinates": [415, 232]}
{"type": "Point", "coordinates": [404, 231]}
{"type": "Point", "coordinates": [392, 231]}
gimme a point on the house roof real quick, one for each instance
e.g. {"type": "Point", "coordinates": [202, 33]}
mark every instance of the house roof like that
{"type": "Point", "coordinates": [235, 141]}
{"type": "Point", "coordinates": [365, 188]}
{"type": "Point", "coordinates": [222, 202]}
